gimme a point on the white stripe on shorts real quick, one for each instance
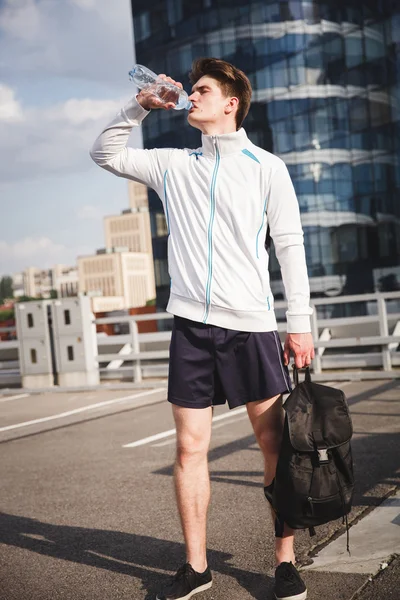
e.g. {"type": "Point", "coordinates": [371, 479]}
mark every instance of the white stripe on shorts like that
{"type": "Point", "coordinates": [279, 349]}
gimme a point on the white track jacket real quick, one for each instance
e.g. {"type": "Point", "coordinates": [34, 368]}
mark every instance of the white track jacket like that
{"type": "Point", "coordinates": [219, 200]}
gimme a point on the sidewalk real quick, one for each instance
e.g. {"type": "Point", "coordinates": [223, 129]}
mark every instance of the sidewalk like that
{"type": "Point", "coordinates": [372, 571]}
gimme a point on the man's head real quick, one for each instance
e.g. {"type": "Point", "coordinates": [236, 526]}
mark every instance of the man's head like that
{"type": "Point", "coordinates": [221, 96]}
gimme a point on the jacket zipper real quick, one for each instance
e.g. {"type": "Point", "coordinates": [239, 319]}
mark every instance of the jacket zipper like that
{"type": "Point", "coordinates": [210, 230]}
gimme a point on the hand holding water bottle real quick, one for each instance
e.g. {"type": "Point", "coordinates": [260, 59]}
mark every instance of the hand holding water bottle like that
{"type": "Point", "coordinates": [154, 93]}
{"type": "Point", "coordinates": [149, 100]}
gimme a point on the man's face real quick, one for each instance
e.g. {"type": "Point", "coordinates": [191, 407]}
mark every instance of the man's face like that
{"type": "Point", "coordinates": [208, 103]}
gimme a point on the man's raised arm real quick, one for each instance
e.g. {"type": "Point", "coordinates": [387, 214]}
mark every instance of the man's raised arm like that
{"type": "Point", "coordinates": [110, 150]}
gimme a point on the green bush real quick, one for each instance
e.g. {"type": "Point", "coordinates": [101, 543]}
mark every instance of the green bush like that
{"type": "Point", "coordinates": [6, 314]}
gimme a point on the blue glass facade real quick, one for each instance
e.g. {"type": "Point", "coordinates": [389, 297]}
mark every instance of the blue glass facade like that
{"type": "Point", "coordinates": [326, 81]}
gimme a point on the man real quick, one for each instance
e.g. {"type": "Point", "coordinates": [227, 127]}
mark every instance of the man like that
{"type": "Point", "coordinates": [219, 201]}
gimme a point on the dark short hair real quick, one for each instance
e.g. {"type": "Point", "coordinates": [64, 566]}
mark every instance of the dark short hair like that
{"type": "Point", "coordinates": [232, 81]}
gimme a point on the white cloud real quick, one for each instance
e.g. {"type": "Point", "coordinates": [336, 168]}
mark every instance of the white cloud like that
{"type": "Point", "coordinates": [41, 252]}
{"type": "Point", "coordinates": [69, 47]}
{"type": "Point", "coordinates": [41, 39]}
{"type": "Point", "coordinates": [76, 38]}
{"type": "Point", "coordinates": [51, 140]}
{"type": "Point", "coordinates": [10, 108]}
{"type": "Point", "coordinates": [21, 19]}
{"type": "Point", "coordinates": [76, 112]}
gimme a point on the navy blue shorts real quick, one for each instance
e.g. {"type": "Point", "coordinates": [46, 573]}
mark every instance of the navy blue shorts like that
{"type": "Point", "coordinates": [210, 365]}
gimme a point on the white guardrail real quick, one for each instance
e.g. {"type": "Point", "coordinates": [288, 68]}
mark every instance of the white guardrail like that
{"type": "Point", "coordinates": [354, 347]}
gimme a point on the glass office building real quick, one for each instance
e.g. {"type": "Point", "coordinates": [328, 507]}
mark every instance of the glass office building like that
{"type": "Point", "coordinates": [326, 81]}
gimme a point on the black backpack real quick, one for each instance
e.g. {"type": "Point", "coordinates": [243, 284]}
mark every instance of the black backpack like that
{"type": "Point", "coordinates": [314, 479]}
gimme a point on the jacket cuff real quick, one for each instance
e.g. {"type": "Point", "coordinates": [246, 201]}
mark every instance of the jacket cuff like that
{"type": "Point", "coordinates": [298, 323]}
{"type": "Point", "coordinates": [134, 112]}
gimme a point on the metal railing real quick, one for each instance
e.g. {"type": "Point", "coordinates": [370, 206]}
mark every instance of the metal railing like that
{"type": "Point", "coordinates": [369, 342]}
{"type": "Point", "coordinates": [379, 329]}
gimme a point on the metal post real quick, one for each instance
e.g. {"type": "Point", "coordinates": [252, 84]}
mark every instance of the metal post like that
{"type": "Point", "coordinates": [317, 362]}
{"type": "Point", "coordinates": [137, 370]}
{"type": "Point", "coordinates": [384, 332]}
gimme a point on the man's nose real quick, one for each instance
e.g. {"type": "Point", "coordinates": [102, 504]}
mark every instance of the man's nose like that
{"type": "Point", "coordinates": [192, 96]}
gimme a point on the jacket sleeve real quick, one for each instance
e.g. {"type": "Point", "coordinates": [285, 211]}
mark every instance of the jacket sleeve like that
{"type": "Point", "coordinates": [287, 233]}
{"type": "Point", "coordinates": [110, 150]}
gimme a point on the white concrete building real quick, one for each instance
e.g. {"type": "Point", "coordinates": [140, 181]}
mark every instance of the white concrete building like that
{"type": "Point", "coordinates": [37, 282]}
{"type": "Point", "coordinates": [18, 285]}
{"type": "Point", "coordinates": [65, 280]}
{"type": "Point", "coordinates": [138, 196]}
{"type": "Point", "coordinates": [107, 303]}
{"type": "Point", "coordinates": [120, 274]}
{"type": "Point", "coordinates": [118, 277]}
{"type": "Point", "coordinates": [131, 229]}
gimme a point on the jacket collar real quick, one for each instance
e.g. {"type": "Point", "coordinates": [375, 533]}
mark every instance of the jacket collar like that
{"type": "Point", "coordinates": [226, 143]}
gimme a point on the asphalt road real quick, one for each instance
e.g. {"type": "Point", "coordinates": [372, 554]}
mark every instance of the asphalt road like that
{"type": "Point", "coordinates": [88, 511]}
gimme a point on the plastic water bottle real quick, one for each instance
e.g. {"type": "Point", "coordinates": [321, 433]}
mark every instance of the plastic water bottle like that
{"type": "Point", "coordinates": [165, 91]}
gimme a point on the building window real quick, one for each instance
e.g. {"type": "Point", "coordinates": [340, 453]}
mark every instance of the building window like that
{"type": "Point", "coordinates": [174, 10]}
{"type": "Point", "coordinates": [142, 27]}
{"type": "Point", "coordinates": [161, 272]}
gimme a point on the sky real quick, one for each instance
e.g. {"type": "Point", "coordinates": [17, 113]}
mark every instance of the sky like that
{"type": "Point", "coordinates": [63, 76]}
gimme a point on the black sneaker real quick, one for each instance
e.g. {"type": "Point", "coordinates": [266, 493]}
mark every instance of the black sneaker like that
{"type": "Point", "coordinates": [186, 583]}
{"type": "Point", "coordinates": [288, 583]}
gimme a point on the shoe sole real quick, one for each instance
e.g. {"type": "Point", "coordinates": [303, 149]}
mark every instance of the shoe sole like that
{"type": "Point", "coordinates": [301, 596]}
{"type": "Point", "coordinates": [202, 588]}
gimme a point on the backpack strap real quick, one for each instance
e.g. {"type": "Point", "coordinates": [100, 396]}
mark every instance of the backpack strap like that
{"type": "Point", "coordinates": [279, 522]}
{"type": "Point", "coordinates": [268, 490]}
{"type": "Point", "coordinates": [307, 374]}
{"type": "Point", "coordinates": [279, 526]}
{"type": "Point", "coordinates": [318, 438]}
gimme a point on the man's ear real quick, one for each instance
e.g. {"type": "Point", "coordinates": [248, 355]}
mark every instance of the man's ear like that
{"type": "Point", "coordinates": [232, 104]}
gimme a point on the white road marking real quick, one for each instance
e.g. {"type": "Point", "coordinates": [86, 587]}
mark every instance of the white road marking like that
{"type": "Point", "coordinates": [80, 410]}
{"type": "Point", "coordinates": [243, 418]}
{"type": "Point", "coordinates": [344, 383]}
{"type": "Point", "coordinates": [151, 438]}
{"type": "Point", "coordinates": [164, 434]}
{"type": "Point", "coordinates": [125, 562]}
{"type": "Point", "coordinates": [167, 443]}
{"type": "Point", "coordinates": [170, 442]}
{"type": "Point", "coordinates": [9, 398]}
{"type": "Point", "coordinates": [336, 384]}
{"type": "Point", "coordinates": [37, 536]}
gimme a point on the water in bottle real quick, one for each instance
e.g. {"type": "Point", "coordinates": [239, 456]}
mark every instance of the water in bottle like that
{"type": "Point", "coordinates": [165, 91]}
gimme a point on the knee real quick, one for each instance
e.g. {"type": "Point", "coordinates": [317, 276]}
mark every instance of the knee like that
{"type": "Point", "coordinates": [269, 441]}
{"type": "Point", "coordinates": [190, 450]}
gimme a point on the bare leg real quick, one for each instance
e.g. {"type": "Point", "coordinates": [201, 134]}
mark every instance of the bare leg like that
{"type": "Point", "coordinates": [192, 481]}
{"type": "Point", "coordinates": [267, 419]}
